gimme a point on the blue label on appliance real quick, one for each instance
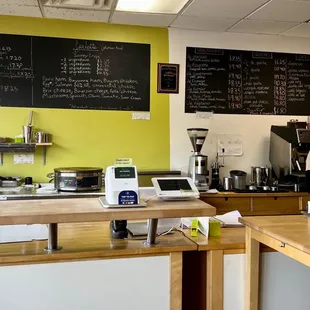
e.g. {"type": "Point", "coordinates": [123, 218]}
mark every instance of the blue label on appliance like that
{"type": "Point", "coordinates": [128, 198]}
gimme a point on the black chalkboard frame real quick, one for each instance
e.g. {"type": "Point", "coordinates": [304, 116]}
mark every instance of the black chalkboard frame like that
{"type": "Point", "coordinates": [135, 67]}
{"type": "Point", "coordinates": [275, 102]}
{"type": "Point", "coordinates": [162, 86]}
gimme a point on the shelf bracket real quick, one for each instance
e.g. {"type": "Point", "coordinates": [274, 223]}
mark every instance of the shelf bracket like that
{"type": "Point", "coordinates": [44, 155]}
{"type": "Point", "coordinates": [1, 159]}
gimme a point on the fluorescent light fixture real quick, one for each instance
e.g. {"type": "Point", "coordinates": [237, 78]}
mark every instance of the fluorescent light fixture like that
{"type": "Point", "coordinates": [135, 5]}
{"type": "Point", "coordinates": [79, 4]}
{"type": "Point", "coordinates": [151, 6]}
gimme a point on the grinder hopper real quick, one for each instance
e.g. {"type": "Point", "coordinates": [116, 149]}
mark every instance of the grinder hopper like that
{"type": "Point", "coordinates": [197, 137]}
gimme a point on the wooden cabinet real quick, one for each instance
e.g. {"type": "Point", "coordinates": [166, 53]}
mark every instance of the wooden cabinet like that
{"type": "Point", "coordinates": [304, 202]}
{"type": "Point", "coordinates": [227, 204]}
{"type": "Point", "coordinates": [275, 205]}
{"type": "Point", "coordinates": [258, 204]}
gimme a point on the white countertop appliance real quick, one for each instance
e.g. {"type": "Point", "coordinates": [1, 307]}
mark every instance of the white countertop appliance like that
{"type": "Point", "coordinates": [121, 186]}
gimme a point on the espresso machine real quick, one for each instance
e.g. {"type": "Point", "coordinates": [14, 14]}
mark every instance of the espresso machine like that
{"type": "Point", "coordinates": [198, 163]}
{"type": "Point", "coordinates": [289, 148]}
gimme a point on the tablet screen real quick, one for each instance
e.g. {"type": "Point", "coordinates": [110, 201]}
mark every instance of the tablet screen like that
{"type": "Point", "coordinates": [174, 185]}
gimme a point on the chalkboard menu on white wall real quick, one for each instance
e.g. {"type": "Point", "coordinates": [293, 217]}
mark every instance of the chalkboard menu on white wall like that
{"type": "Point", "coordinates": [247, 82]}
{"type": "Point", "coordinates": [74, 74]}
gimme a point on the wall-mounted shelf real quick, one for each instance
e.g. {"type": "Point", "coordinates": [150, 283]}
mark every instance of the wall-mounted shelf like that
{"type": "Point", "coordinates": [22, 148]}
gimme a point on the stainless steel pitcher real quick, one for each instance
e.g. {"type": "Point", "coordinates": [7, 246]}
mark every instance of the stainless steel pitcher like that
{"type": "Point", "coordinates": [260, 176]}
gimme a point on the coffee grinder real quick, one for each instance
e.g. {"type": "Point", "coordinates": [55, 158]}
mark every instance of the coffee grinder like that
{"type": "Point", "coordinates": [198, 163]}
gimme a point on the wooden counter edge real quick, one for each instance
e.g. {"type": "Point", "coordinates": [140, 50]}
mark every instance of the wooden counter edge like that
{"type": "Point", "coordinates": [35, 253]}
{"type": "Point", "coordinates": [234, 247]}
{"type": "Point", "coordinates": [254, 195]}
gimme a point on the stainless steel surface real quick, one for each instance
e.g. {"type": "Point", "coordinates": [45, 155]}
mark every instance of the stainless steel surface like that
{"type": "Point", "coordinates": [238, 179]}
{"type": "Point", "coordinates": [78, 178]}
{"type": "Point", "coordinates": [198, 163]}
{"type": "Point", "coordinates": [296, 187]}
{"type": "Point", "coordinates": [260, 176]}
{"type": "Point", "coordinates": [152, 231]}
{"type": "Point", "coordinates": [280, 155]}
{"type": "Point", "coordinates": [227, 183]}
{"type": "Point", "coordinates": [197, 171]}
{"type": "Point", "coordinates": [289, 148]}
{"type": "Point", "coordinates": [303, 135]}
{"type": "Point", "coordinates": [78, 169]}
{"type": "Point", "coordinates": [52, 241]}
{"type": "Point", "coordinates": [30, 193]}
{"type": "Point", "coordinates": [9, 183]}
{"type": "Point", "coordinates": [30, 118]}
{"type": "Point", "coordinates": [42, 137]}
{"type": "Point", "coordinates": [17, 148]}
{"type": "Point", "coordinates": [197, 137]}
{"type": "Point", "coordinates": [27, 133]}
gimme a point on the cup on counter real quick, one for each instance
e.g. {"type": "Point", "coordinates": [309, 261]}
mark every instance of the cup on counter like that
{"type": "Point", "coordinates": [28, 181]}
{"type": "Point", "coordinates": [27, 133]}
{"type": "Point", "coordinates": [227, 183]}
{"type": "Point", "coordinates": [42, 137]}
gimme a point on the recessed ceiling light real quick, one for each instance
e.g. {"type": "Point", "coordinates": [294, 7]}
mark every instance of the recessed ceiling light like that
{"type": "Point", "coordinates": [151, 6]}
{"type": "Point", "coordinates": [79, 4]}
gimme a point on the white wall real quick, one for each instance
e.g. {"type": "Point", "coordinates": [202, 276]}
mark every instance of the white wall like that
{"type": "Point", "coordinates": [254, 129]}
{"type": "Point", "coordinates": [115, 284]}
{"type": "Point", "coordinates": [284, 283]}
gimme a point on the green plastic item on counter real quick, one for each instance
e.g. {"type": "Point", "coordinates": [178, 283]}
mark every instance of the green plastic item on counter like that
{"type": "Point", "coordinates": [214, 228]}
{"type": "Point", "coordinates": [19, 139]}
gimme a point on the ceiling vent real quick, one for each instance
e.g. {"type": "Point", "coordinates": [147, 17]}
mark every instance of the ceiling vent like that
{"type": "Point", "coordinates": [79, 4]}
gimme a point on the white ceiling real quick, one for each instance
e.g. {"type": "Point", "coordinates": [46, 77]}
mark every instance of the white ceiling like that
{"type": "Point", "coordinates": [276, 17]}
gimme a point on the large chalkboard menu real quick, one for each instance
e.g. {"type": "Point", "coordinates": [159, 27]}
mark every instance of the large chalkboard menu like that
{"type": "Point", "coordinates": [74, 74]}
{"type": "Point", "coordinates": [247, 82]}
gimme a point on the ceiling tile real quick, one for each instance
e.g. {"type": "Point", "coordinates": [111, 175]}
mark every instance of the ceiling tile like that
{"type": "Point", "coordinates": [19, 2]}
{"type": "Point", "coordinates": [284, 10]}
{"type": "Point", "coordinates": [72, 14]}
{"type": "Point", "coordinates": [142, 19]}
{"type": "Point", "coordinates": [18, 10]}
{"type": "Point", "coordinates": [264, 27]}
{"type": "Point", "coordinates": [223, 8]}
{"type": "Point", "coordinates": [151, 6]}
{"type": "Point", "coordinates": [303, 30]}
{"type": "Point", "coordinates": [200, 23]}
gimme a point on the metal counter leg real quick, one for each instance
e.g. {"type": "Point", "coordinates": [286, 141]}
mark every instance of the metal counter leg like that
{"type": "Point", "coordinates": [152, 230]}
{"type": "Point", "coordinates": [52, 242]}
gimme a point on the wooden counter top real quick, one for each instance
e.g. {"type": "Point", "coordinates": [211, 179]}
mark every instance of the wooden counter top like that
{"type": "Point", "coordinates": [90, 210]}
{"type": "Point", "coordinates": [292, 230]}
{"type": "Point", "coordinates": [249, 195]}
{"type": "Point", "coordinates": [231, 241]}
{"type": "Point", "coordinates": [231, 238]}
{"type": "Point", "coordinates": [84, 241]}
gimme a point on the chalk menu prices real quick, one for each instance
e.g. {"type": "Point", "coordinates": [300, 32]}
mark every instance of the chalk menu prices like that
{"type": "Point", "coordinates": [206, 80]}
{"type": "Point", "coordinates": [16, 71]}
{"type": "Point", "coordinates": [247, 82]}
{"type": "Point", "coordinates": [74, 74]}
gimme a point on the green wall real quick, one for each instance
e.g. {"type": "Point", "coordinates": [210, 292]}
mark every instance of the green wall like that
{"type": "Point", "coordinates": [92, 138]}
